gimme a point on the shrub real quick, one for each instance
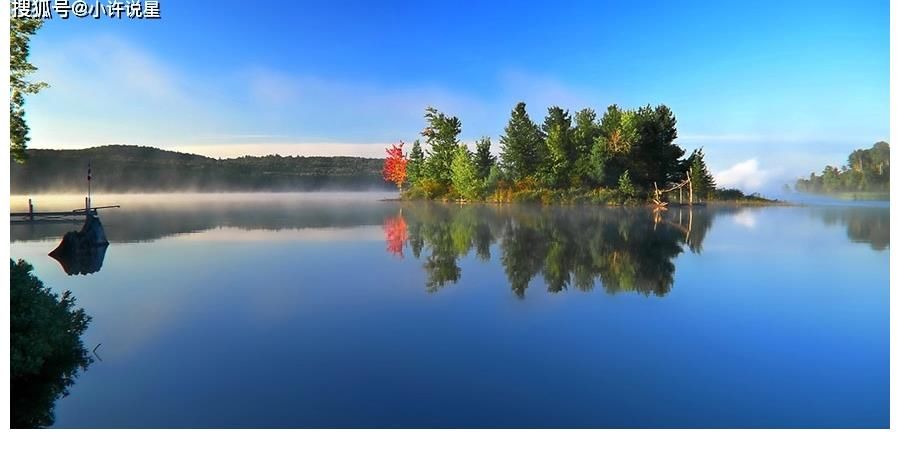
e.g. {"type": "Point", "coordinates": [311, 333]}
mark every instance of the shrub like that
{"type": "Point", "coordinates": [46, 351]}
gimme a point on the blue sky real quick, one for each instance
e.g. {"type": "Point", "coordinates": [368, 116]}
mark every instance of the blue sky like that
{"type": "Point", "coordinates": [771, 90]}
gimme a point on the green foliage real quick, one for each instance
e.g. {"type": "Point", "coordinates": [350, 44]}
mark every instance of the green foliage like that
{"type": "Point", "coordinates": [484, 160]}
{"type": "Point", "coordinates": [586, 170]}
{"type": "Point", "coordinates": [611, 153]}
{"type": "Point", "coordinates": [702, 181]}
{"type": "Point", "coordinates": [521, 147]}
{"type": "Point", "coordinates": [46, 351]}
{"type": "Point", "coordinates": [655, 156]}
{"type": "Point", "coordinates": [20, 32]}
{"type": "Point", "coordinates": [416, 166]}
{"type": "Point", "coordinates": [464, 175]}
{"type": "Point", "coordinates": [625, 186]}
{"type": "Point", "coordinates": [560, 155]}
{"type": "Point", "coordinates": [495, 177]}
{"type": "Point", "coordinates": [442, 135]}
{"type": "Point", "coordinates": [867, 170]}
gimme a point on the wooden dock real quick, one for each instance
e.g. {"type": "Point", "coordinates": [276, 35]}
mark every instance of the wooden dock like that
{"type": "Point", "coordinates": [33, 216]}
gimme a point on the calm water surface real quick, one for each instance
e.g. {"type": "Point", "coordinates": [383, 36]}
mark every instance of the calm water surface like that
{"type": "Point", "coordinates": [345, 311]}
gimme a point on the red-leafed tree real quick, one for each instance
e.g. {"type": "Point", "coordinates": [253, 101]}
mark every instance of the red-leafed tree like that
{"type": "Point", "coordinates": [395, 166]}
{"type": "Point", "coordinates": [395, 234]}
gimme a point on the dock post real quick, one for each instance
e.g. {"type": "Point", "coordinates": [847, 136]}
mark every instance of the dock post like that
{"type": "Point", "coordinates": [30, 210]}
{"type": "Point", "coordinates": [87, 205]}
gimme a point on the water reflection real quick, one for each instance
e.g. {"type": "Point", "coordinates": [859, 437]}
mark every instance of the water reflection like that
{"type": "Point", "coordinates": [82, 252]}
{"type": "Point", "coordinates": [142, 220]}
{"type": "Point", "coordinates": [623, 249]}
{"type": "Point", "coordinates": [864, 224]}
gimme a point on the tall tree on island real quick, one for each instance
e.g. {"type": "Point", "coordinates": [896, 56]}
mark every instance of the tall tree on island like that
{"type": "Point", "coordinates": [611, 153]}
{"type": "Point", "coordinates": [464, 174]}
{"type": "Point", "coordinates": [442, 135]}
{"type": "Point", "coordinates": [521, 146]}
{"type": "Point", "coordinates": [395, 166]}
{"type": "Point", "coordinates": [655, 156]}
{"type": "Point", "coordinates": [416, 166]}
{"type": "Point", "coordinates": [702, 180]}
{"type": "Point", "coordinates": [484, 160]}
{"type": "Point", "coordinates": [20, 32]}
{"type": "Point", "coordinates": [557, 165]}
{"type": "Point", "coordinates": [584, 134]}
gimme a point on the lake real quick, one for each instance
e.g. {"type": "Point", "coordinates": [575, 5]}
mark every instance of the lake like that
{"type": "Point", "coordinates": [340, 310]}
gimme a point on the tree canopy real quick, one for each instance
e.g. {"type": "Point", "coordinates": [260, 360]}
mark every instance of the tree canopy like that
{"type": "Point", "coordinates": [619, 157]}
{"type": "Point", "coordinates": [867, 170]}
{"type": "Point", "coordinates": [442, 136]}
{"type": "Point", "coordinates": [20, 84]}
{"type": "Point", "coordinates": [521, 146]}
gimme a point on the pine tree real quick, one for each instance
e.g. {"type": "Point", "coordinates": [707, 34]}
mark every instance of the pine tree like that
{"type": "Point", "coordinates": [484, 160]}
{"type": "Point", "coordinates": [442, 135]}
{"type": "Point", "coordinates": [584, 133]}
{"type": "Point", "coordinates": [560, 151]}
{"type": "Point", "coordinates": [521, 146]}
{"type": "Point", "coordinates": [655, 156]}
{"type": "Point", "coordinates": [626, 186]}
{"type": "Point", "coordinates": [416, 165]}
{"type": "Point", "coordinates": [702, 180]}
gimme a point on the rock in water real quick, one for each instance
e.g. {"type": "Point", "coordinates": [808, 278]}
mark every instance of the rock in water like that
{"type": "Point", "coordinates": [82, 252]}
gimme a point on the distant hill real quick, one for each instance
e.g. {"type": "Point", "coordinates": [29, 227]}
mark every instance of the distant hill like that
{"type": "Point", "coordinates": [124, 168]}
{"type": "Point", "coordinates": [867, 171]}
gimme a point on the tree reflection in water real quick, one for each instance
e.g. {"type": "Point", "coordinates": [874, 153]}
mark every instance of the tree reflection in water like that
{"type": "Point", "coordinates": [864, 224]}
{"type": "Point", "coordinates": [395, 234]}
{"type": "Point", "coordinates": [626, 249]}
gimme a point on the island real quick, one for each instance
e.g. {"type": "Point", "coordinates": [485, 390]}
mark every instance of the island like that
{"type": "Point", "coordinates": [626, 157]}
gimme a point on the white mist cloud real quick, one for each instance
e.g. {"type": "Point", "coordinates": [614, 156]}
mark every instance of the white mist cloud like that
{"type": "Point", "coordinates": [744, 175]}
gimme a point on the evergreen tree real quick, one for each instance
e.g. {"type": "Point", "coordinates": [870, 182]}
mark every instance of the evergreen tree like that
{"type": "Point", "coordinates": [655, 156]}
{"type": "Point", "coordinates": [584, 133]}
{"type": "Point", "coordinates": [416, 165]}
{"type": "Point", "coordinates": [442, 135]}
{"type": "Point", "coordinates": [464, 174]}
{"type": "Point", "coordinates": [521, 146]}
{"type": "Point", "coordinates": [560, 149]}
{"type": "Point", "coordinates": [484, 160]}
{"type": "Point", "coordinates": [626, 186]}
{"type": "Point", "coordinates": [702, 181]}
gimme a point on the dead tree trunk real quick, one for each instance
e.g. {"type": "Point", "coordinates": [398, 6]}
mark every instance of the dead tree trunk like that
{"type": "Point", "coordinates": [690, 188]}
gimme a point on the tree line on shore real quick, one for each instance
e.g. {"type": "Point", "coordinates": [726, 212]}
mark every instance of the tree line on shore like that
{"type": "Point", "coordinates": [124, 168]}
{"type": "Point", "coordinates": [620, 157]}
{"type": "Point", "coordinates": [867, 170]}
